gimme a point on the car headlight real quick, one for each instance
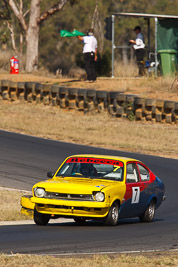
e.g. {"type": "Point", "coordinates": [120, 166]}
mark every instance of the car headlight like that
{"type": "Point", "coordinates": [99, 196]}
{"type": "Point", "coordinates": [39, 192]}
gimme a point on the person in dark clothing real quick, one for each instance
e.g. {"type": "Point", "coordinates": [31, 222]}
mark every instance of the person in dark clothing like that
{"type": "Point", "coordinates": [139, 47]}
{"type": "Point", "coordinates": [90, 54]}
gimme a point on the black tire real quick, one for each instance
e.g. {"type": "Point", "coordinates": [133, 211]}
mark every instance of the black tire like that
{"type": "Point", "coordinates": [80, 220]}
{"type": "Point", "coordinates": [150, 102]}
{"type": "Point", "coordinates": [5, 83]}
{"type": "Point", "coordinates": [55, 88]}
{"type": "Point", "coordinates": [121, 97]}
{"type": "Point", "coordinates": [149, 213]}
{"type": "Point", "coordinates": [130, 98]}
{"type": "Point", "coordinates": [101, 94]}
{"type": "Point", "coordinates": [38, 86]}
{"type": "Point", "coordinates": [29, 85]}
{"type": "Point", "coordinates": [139, 101]}
{"type": "Point", "coordinates": [21, 85]}
{"type": "Point", "coordinates": [46, 88]}
{"type": "Point", "coordinates": [63, 90]}
{"type": "Point", "coordinates": [12, 84]}
{"type": "Point", "coordinates": [41, 219]}
{"type": "Point", "coordinates": [113, 216]}
{"type": "Point", "coordinates": [73, 91]}
{"type": "Point", "coordinates": [91, 93]}
{"type": "Point", "coordinates": [82, 92]}
{"type": "Point", "coordinates": [176, 106]}
{"type": "Point", "coordinates": [113, 95]}
{"type": "Point", "coordinates": [159, 103]}
{"type": "Point", "coordinates": [169, 104]}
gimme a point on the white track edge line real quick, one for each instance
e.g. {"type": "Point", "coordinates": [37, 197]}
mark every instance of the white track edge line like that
{"type": "Point", "coordinates": [95, 253]}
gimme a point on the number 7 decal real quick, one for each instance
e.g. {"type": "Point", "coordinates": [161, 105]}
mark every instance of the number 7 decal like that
{"type": "Point", "coordinates": [135, 195]}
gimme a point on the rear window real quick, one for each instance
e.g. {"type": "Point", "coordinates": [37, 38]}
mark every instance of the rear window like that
{"type": "Point", "coordinates": [144, 173]}
{"type": "Point", "coordinates": [93, 168]}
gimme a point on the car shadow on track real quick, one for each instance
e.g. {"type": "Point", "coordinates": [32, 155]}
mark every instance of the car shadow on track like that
{"type": "Point", "coordinates": [92, 223]}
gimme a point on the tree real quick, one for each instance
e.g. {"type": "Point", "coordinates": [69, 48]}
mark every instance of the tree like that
{"type": "Point", "coordinates": [32, 27]}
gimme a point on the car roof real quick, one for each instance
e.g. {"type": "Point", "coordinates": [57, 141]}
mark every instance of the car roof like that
{"type": "Point", "coordinates": [124, 159]}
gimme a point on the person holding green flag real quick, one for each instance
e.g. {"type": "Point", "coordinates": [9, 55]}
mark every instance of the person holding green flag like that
{"type": "Point", "coordinates": [90, 54]}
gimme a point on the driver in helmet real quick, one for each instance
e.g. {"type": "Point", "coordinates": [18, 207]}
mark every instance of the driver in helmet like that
{"type": "Point", "coordinates": [87, 169]}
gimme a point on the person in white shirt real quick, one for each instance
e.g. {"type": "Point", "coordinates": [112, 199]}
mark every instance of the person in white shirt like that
{"type": "Point", "coordinates": [90, 54]}
{"type": "Point", "coordinates": [139, 46]}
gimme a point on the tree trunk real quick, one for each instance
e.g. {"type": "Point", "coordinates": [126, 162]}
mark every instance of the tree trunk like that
{"type": "Point", "coordinates": [32, 37]}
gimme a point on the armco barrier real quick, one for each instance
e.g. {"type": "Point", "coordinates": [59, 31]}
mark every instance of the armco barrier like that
{"type": "Point", "coordinates": [116, 104]}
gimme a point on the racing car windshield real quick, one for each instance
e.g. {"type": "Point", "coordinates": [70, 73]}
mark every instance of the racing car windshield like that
{"type": "Point", "coordinates": [94, 168]}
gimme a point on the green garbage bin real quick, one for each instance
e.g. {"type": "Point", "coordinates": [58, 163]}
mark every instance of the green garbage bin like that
{"type": "Point", "coordinates": [168, 61]}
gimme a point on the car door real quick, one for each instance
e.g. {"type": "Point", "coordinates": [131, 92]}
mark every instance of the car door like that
{"type": "Point", "coordinates": [131, 204]}
{"type": "Point", "coordinates": [145, 185]}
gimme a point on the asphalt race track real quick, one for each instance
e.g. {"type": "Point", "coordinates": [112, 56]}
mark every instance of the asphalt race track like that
{"type": "Point", "coordinates": [24, 160]}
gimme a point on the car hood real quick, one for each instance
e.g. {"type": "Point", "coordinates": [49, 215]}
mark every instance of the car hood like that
{"type": "Point", "coordinates": [72, 185]}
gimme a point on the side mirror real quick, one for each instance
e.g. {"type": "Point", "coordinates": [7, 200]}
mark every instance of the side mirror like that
{"type": "Point", "coordinates": [50, 174]}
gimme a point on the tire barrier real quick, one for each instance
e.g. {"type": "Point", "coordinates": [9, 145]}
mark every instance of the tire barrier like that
{"type": "Point", "coordinates": [168, 111]}
{"type": "Point", "coordinates": [150, 105]}
{"type": "Point", "coordinates": [5, 89]}
{"type": "Point", "coordinates": [21, 91]}
{"type": "Point", "coordinates": [139, 107]}
{"type": "Point", "coordinates": [72, 98]}
{"type": "Point", "coordinates": [117, 104]}
{"type": "Point", "coordinates": [101, 101]}
{"type": "Point", "coordinates": [159, 110]}
{"type": "Point", "coordinates": [63, 95]}
{"type": "Point", "coordinates": [81, 101]}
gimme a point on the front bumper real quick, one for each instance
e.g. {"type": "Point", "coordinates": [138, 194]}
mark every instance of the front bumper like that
{"type": "Point", "coordinates": [67, 208]}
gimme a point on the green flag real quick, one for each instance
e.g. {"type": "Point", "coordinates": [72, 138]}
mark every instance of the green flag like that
{"type": "Point", "coordinates": [77, 33]}
{"type": "Point", "coordinates": [64, 33]}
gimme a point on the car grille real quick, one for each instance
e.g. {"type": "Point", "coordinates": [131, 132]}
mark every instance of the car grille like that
{"type": "Point", "coordinates": [62, 196]}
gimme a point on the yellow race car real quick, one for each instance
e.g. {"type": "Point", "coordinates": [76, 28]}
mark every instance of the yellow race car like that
{"type": "Point", "coordinates": [96, 187]}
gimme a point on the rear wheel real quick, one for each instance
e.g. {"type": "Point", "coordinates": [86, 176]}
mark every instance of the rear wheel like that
{"type": "Point", "coordinates": [80, 220]}
{"type": "Point", "coordinates": [41, 219]}
{"type": "Point", "coordinates": [149, 213]}
{"type": "Point", "coordinates": [113, 215]}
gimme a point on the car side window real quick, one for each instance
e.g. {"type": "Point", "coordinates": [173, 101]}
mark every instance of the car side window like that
{"type": "Point", "coordinates": [144, 173]}
{"type": "Point", "coordinates": [132, 173]}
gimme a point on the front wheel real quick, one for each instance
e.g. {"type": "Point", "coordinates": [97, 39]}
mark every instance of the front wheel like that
{"type": "Point", "coordinates": [41, 219]}
{"type": "Point", "coordinates": [113, 215]}
{"type": "Point", "coordinates": [149, 213]}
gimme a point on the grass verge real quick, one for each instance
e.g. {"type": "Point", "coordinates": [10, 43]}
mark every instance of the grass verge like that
{"type": "Point", "coordinates": [149, 260]}
{"type": "Point", "coordinates": [10, 206]}
{"type": "Point", "coordinates": [97, 130]}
